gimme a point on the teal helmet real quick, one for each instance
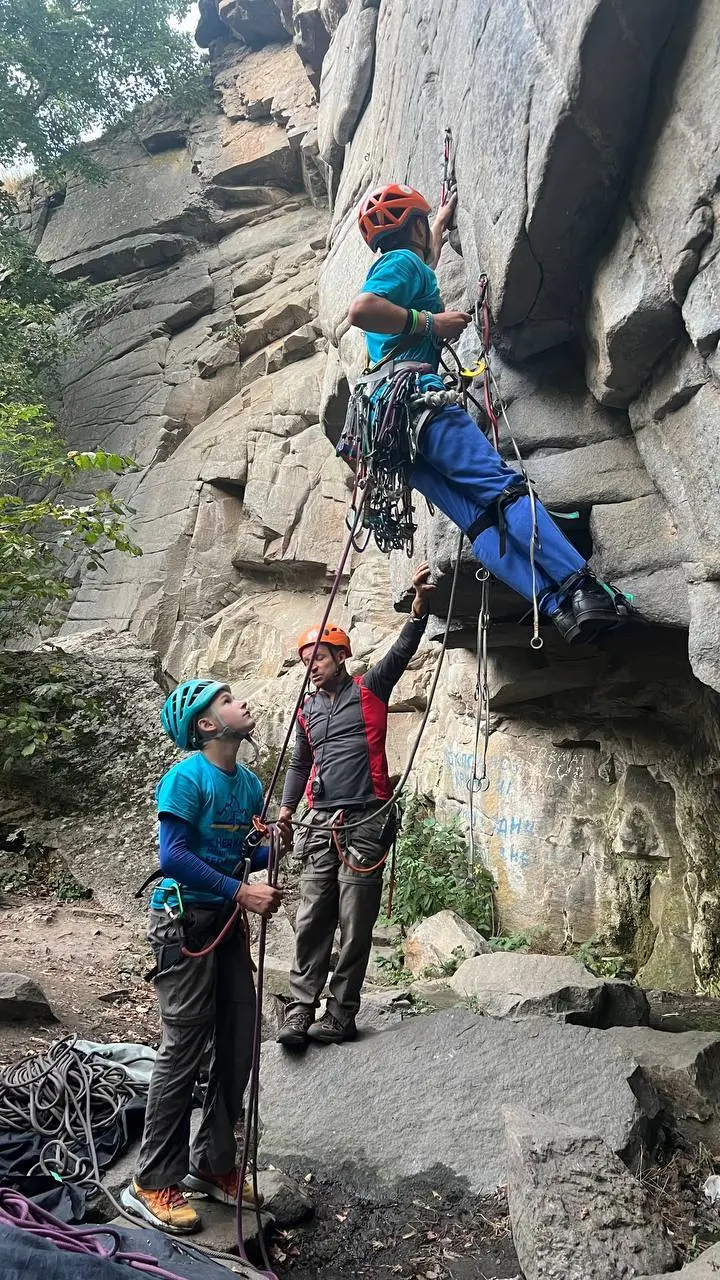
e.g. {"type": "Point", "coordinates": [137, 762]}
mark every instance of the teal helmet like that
{"type": "Point", "coordinates": [184, 706]}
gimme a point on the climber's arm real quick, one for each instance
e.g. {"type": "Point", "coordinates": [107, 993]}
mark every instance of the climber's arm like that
{"type": "Point", "coordinates": [376, 315]}
{"type": "Point", "coordinates": [441, 224]}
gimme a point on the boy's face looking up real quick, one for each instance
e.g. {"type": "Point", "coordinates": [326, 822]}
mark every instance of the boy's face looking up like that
{"type": "Point", "coordinates": [226, 711]}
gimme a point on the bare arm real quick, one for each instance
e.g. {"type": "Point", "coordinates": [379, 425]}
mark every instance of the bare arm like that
{"type": "Point", "coordinates": [374, 314]}
{"type": "Point", "coordinates": [443, 220]}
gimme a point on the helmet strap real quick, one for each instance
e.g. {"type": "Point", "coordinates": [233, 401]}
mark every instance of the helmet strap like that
{"type": "Point", "coordinates": [224, 732]}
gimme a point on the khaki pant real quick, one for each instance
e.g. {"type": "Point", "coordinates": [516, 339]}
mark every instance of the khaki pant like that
{"type": "Point", "coordinates": [333, 894]}
{"type": "Point", "coordinates": [210, 999]}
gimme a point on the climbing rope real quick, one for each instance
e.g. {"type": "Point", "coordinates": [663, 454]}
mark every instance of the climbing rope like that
{"type": "Point", "coordinates": [101, 1242]}
{"type": "Point", "coordinates": [252, 1106]}
{"type": "Point", "coordinates": [70, 1098]}
{"type": "Point", "coordinates": [480, 781]}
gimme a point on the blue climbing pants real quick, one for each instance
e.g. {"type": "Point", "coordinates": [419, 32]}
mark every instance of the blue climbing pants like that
{"type": "Point", "coordinates": [460, 472]}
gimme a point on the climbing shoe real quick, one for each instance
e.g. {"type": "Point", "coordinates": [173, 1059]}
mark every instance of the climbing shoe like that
{"type": "Point", "coordinates": [166, 1208]}
{"type": "Point", "coordinates": [588, 610]}
{"type": "Point", "coordinates": [329, 1030]}
{"type": "Point", "coordinates": [566, 622]}
{"type": "Point", "coordinates": [597, 610]}
{"type": "Point", "coordinates": [222, 1187]}
{"type": "Point", "coordinates": [294, 1030]}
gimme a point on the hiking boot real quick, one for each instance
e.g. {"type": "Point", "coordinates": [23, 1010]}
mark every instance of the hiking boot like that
{"type": "Point", "coordinates": [222, 1187]}
{"type": "Point", "coordinates": [294, 1030]}
{"type": "Point", "coordinates": [166, 1208]}
{"type": "Point", "coordinates": [329, 1030]}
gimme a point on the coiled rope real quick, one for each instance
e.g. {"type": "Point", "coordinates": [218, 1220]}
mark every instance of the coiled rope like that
{"type": "Point", "coordinates": [70, 1098]}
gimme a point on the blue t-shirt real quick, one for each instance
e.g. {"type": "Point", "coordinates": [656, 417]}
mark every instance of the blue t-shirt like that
{"type": "Point", "coordinates": [403, 278]}
{"type": "Point", "coordinates": [218, 808]}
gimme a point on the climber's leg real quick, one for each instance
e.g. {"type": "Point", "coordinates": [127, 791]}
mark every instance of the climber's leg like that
{"type": "Point", "coordinates": [513, 568]}
{"type": "Point", "coordinates": [461, 473]}
{"type": "Point", "coordinates": [453, 447]}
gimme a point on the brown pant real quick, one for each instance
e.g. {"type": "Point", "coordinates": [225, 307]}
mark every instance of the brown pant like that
{"type": "Point", "coordinates": [333, 894]}
{"type": "Point", "coordinates": [212, 998]}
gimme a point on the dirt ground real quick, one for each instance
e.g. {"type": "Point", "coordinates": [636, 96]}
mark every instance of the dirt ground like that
{"type": "Point", "coordinates": [421, 1232]}
{"type": "Point", "coordinates": [88, 961]}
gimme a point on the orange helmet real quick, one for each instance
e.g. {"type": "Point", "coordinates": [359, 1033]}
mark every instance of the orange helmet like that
{"type": "Point", "coordinates": [331, 634]}
{"type": "Point", "coordinates": [387, 209]}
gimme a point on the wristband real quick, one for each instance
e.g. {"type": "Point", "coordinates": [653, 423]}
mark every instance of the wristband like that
{"type": "Point", "coordinates": [416, 320]}
{"type": "Point", "coordinates": [409, 325]}
{"type": "Point", "coordinates": [428, 332]}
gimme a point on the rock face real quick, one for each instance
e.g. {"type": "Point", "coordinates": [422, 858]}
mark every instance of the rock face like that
{"type": "Point", "coordinates": [576, 1211]}
{"type": "Point", "coordinates": [221, 359]}
{"type": "Point", "coordinates": [418, 1122]}
{"type": "Point", "coordinates": [703, 1268]}
{"type": "Point", "coordinates": [684, 1070]}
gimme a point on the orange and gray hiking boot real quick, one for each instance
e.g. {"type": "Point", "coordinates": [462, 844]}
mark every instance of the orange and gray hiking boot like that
{"type": "Point", "coordinates": [222, 1187]}
{"type": "Point", "coordinates": [166, 1208]}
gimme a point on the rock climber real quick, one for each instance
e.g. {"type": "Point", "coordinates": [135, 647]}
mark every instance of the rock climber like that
{"type": "Point", "coordinates": [456, 468]}
{"type": "Point", "coordinates": [205, 805]}
{"type": "Point", "coordinates": [339, 761]}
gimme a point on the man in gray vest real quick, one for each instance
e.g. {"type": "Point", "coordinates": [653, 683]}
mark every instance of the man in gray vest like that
{"type": "Point", "coordinates": [339, 762]}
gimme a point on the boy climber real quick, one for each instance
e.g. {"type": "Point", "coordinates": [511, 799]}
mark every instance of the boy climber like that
{"type": "Point", "coordinates": [405, 324]}
{"type": "Point", "coordinates": [205, 803]}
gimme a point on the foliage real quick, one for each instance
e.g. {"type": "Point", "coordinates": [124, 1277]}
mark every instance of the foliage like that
{"type": "Point", "coordinates": [517, 941]}
{"type": "Point", "coordinates": [31, 869]}
{"type": "Point", "coordinates": [69, 68]}
{"type": "Point", "coordinates": [537, 940]}
{"type": "Point", "coordinates": [38, 713]}
{"type": "Point", "coordinates": [446, 968]}
{"type": "Point", "coordinates": [433, 872]}
{"type": "Point", "coordinates": [40, 532]}
{"type": "Point", "coordinates": [391, 971]}
{"type": "Point", "coordinates": [604, 966]}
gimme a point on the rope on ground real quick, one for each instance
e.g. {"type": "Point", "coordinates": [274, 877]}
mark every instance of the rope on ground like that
{"type": "Point", "coordinates": [70, 1098]}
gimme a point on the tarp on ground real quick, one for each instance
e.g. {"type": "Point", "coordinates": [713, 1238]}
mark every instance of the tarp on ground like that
{"type": "Point", "coordinates": [25, 1257]}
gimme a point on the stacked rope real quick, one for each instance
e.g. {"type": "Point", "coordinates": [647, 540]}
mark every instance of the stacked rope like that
{"type": "Point", "coordinates": [69, 1098]}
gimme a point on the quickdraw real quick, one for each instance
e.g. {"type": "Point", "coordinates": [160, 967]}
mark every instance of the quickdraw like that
{"type": "Point", "coordinates": [448, 185]}
{"type": "Point", "coordinates": [380, 439]}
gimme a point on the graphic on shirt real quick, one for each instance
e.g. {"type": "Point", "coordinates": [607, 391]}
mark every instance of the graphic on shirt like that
{"type": "Point", "coordinates": [218, 808]}
{"type": "Point", "coordinates": [229, 817]}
